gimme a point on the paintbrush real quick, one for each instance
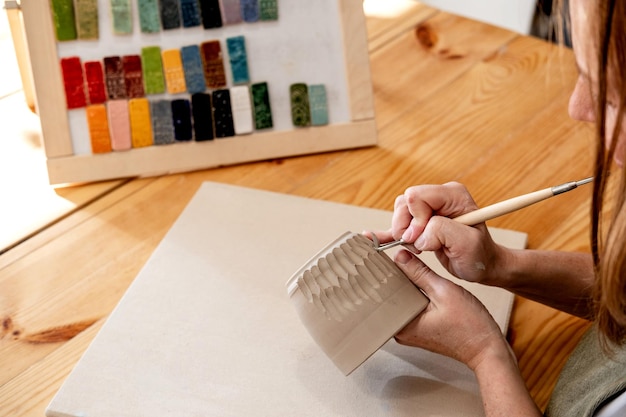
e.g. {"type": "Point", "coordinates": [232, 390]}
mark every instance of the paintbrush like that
{"type": "Point", "coordinates": [504, 207]}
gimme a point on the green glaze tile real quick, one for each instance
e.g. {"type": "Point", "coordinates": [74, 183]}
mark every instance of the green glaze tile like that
{"type": "Point", "coordinates": [63, 17]}
{"type": "Point", "coordinates": [87, 19]}
{"type": "Point", "coordinates": [121, 13]}
{"type": "Point", "coordinates": [268, 9]}
{"type": "Point", "coordinates": [300, 113]}
{"type": "Point", "coordinates": [261, 103]}
{"type": "Point", "coordinates": [152, 67]}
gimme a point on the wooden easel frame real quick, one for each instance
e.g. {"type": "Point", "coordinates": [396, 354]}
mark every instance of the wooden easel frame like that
{"type": "Point", "coordinates": [65, 167]}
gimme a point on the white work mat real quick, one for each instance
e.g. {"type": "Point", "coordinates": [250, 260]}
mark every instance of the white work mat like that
{"type": "Point", "coordinates": [207, 327]}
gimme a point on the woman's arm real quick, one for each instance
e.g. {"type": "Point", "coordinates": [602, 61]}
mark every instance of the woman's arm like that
{"type": "Point", "coordinates": [423, 217]}
{"type": "Point", "coordinates": [457, 325]}
{"type": "Point", "coordinates": [562, 280]}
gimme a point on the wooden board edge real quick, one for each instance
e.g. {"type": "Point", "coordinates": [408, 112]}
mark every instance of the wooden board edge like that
{"type": "Point", "coordinates": [356, 56]}
{"type": "Point", "coordinates": [47, 80]}
{"type": "Point", "coordinates": [183, 157]}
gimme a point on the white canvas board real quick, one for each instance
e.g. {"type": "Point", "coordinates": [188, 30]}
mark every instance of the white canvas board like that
{"type": "Point", "coordinates": [207, 327]}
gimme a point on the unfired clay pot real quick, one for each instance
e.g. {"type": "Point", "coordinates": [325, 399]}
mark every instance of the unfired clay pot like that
{"type": "Point", "coordinates": [352, 299]}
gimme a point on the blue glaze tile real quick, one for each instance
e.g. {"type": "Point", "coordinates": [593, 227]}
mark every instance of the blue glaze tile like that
{"type": "Point", "coordinates": [194, 71]}
{"type": "Point", "coordinates": [250, 10]}
{"type": "Point", "coordinates": [190, 11]}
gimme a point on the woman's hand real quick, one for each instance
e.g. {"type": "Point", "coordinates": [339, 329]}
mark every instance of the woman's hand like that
{"type": "Point", "coordinates": [423, 216]}
{"type": "Point", "coordinates": [455, 323]}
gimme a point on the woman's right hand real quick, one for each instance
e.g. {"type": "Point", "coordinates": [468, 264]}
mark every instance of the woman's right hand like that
{"type": "Point", "coordinates": [423, 217]}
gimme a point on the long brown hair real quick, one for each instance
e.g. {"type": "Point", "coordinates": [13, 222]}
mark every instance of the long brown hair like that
{"type": "Point", "coordinates": [608, 244]}
{"type": "Point", "coordinates": [609, 249]}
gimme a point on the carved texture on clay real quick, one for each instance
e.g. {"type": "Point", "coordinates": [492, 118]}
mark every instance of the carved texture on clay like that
{"type": "Point", "coordinates": [346, 277]}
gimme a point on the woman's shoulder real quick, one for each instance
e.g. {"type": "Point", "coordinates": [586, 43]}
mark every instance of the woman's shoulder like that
{"type": "Point", "coordinates": [591, 377]}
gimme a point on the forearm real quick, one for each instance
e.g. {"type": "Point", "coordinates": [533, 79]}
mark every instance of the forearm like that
{"type": "Point", "coordinates": [562, 280]}
{"type": "Point", "coordinates": [502, 388]}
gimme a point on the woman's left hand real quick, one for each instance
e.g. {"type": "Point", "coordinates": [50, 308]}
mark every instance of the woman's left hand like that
{"type": "Point", "coordinates": [455, 323]}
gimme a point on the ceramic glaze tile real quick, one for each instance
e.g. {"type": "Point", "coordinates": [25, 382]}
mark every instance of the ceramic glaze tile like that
{"type": "Point", "coordinates": [98, 128]}
{"type": "Point", "coordinates": [72, 71]}
{"type": "Point", "coordinates": [300, 112]}
{"type": "Point", "coordinates": [250, 10]}
{"type": "Point", "coordinates": [152, 70]}
{"type": "Point", "coordinates": [173, 70]}
{"type": "Point", "coordinates": [231, 11]}
{"type": "Point", "coordinates": [261, 103]}
{"type": "Point", "coordinates": [86, 19]}
{"type": "Point", "coordinates": [214, 74]}
{"type": "Point", "coordinates": [242, 109]}
{"type": "Point", "coordinates": [170, 14]}
{"type": "Point", "coordinates": [63, 18]}
{"type": "Point", "coordinates": [119, 124]}
{"type": "Point", "coordinates": [140, 122]}
{"type": "Point", "coordinates": [193, 69]}
{"type": "Point", "coordinates": [181, 115]}
{"type": "Point", "coordinates": [94, 75]}
{"type": "Point", "coordinates": [149, 20]}
{"type": "Point", "coordinates": [202, 112]}
{"type": "Point", "coordinates": [318, 104]}
{"type": "Point", "coordinates": [121, 14]}
{"type": "Point", "coordinates": [114, 76]}
{"type": "Point", "coordinates": [238, 59]}
{"type": "Point", "coordinates": [133, 76]}
{"type": "Point", "coordinates": [268, 9]}
{"type": "Point", "coordinates": [222, 114]}
{"type": "Point", "coordinates": [211, 14]}
{"type": "Point", "coordinates": [162, 122]}
{"type": "Point", "coordinates": [190, 13]}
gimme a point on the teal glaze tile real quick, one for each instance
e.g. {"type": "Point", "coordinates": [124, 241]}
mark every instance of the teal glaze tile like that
{"type": "Point", "coordinates": [149, 16]}
{"type": "Point", "coordinates": [238, 59]}
{"type": "Point", "coordinates": [318, 105]}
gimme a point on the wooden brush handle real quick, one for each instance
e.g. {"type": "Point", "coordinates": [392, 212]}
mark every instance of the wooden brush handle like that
{"type": "Point", "coordinates": [504, 207]}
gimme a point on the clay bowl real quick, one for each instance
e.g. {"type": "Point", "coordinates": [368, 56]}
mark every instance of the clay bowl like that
{"type": "Point", "coordinates": [352, 299]}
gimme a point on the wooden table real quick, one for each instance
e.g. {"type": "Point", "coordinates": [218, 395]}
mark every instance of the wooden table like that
{"type": "Point", "coordinates": [455, 100]}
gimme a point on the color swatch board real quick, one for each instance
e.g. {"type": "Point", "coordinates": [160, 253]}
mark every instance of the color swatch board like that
{"type": "Point", "coordinates": [137, 93]}
{"type": "Point", "coordinates": [207, 327]}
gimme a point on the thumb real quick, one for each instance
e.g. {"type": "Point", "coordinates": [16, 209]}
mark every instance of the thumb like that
{"type": "Point", "coordinates": [420, 274]}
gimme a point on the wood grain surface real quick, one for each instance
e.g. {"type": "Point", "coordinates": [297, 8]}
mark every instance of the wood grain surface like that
{"type": "Point", "coordinates": [456, 100]}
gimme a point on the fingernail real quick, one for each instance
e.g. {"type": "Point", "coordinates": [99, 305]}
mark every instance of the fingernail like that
{"type": "Point", "coordinates": [419, 242]}
{"type": "Point", "coordinates": [403, 257]}
{"type": "Point", "coordinates": [407, 235]}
